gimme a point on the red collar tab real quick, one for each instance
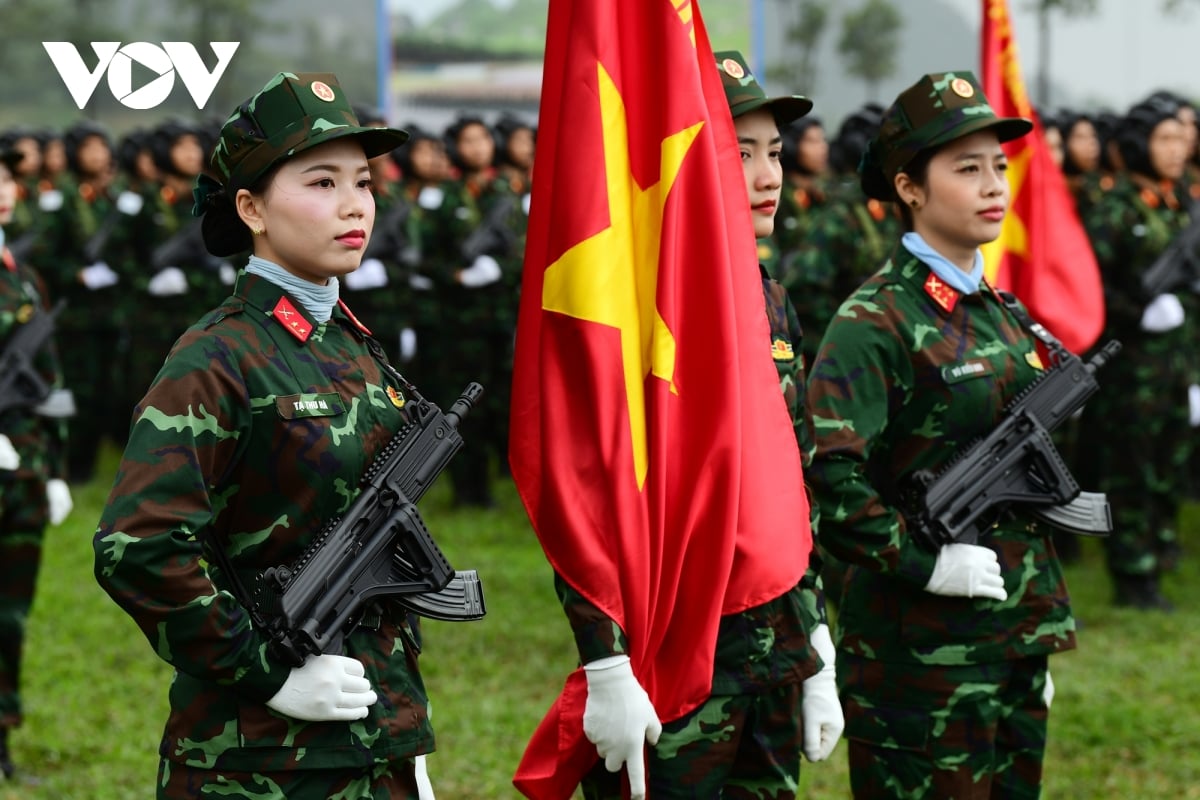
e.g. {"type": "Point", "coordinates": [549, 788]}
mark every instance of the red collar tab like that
{"type": "Point", "coordinates": [9, 261]}
{"type": "Point", "coordinates": [292, 320]}
{"type": "Point", "coordinates": [941, 292]}
{"type": "Point", "coordinates": [346, 310]}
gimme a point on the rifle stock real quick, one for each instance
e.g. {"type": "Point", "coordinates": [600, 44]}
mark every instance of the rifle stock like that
{"type": "Point", "coordinates": [1178, 266]}
{"type": "Point", "coordinates": [1016, 463]}
{"type": "Point", "coordinates": [20, 384]}
{"type": "Point", "coordinates": [380, 548]}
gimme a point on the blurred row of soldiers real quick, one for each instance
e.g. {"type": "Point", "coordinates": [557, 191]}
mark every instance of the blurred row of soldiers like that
{"type": "Point", "coordinates": [1135, 179]}
{"type": "Point", "coordinates": [108, 224]}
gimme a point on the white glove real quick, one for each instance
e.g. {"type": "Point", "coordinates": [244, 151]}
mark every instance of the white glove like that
{"type": "Point", "coordinates": [419, 282]}
{"type": "Point", "coordinates": [821, 710]}
{"type": "Point", "coordinates": [619, 719]}
{"type": "Point", "coordinates": [967, 570]}
{"type": "Point", "coordinates": [327, 688]}
{"type": "Point", "coordinates": [58, 498]}
{"type": "Point", "coordinates": [129, 203]}
{"type": "Point", "coordinates": [431, 198]}
{"type": "Point", "coordinates": [1164, 313]}
{"type": "Point", "coordinates": [1194, 405]}
{"type": "Point", "coordinates": [227, 274]}
{"type": "Point", "coordinates": [370, 274]}
{"type": "Point", "coordinates": [424, 787]}
{"type": "Point", "coordinates": [167, 282]}
{"type": "Point", "coordinates": [483, 271]}
{"type": "Point", "coordinates": [98, 276]}
{"type": "Point", "coordinates": [10, 459]}
{"type": "Point", "coordinates": [1048, 691]}
{"type": "Point", "coordinates": [408, 344]}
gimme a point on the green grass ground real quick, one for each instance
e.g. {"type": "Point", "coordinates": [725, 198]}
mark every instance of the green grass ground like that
{"type": "Point", "coordinates": [1125, 722]}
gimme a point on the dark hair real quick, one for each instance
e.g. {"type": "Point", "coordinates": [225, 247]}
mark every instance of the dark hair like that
{"type": "Point", "coordinates": [917, 170]}
{"type": "Point", "coordinates": [791, 135]}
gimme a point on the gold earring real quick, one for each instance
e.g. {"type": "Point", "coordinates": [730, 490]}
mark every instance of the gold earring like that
{"type": "Point", "coordinates": [257, 231]}
{"type": "Point", "coordinates": [914, 203]}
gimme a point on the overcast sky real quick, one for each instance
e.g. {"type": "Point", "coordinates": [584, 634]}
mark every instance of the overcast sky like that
{"type": "Point", "coordinates": [1128, 50]}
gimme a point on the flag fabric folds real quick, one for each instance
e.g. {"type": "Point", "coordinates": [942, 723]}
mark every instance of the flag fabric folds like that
{"type": "Point", "coordinates": [1043, 254]}
{"type": "Point", "coordinates": [650, 443]}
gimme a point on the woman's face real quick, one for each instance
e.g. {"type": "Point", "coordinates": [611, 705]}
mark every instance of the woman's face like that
{"type": "Point", "coordinates": [476, 146]}
{"type": "Point", "coordinates": [1083, 146]}
{"type": "Point", "coordinates": [759, 143]}
{"type": "Point", "coordinates": [93, 156]}
{"type": "Point", "coordinates": [317, 212]}
{"type": "Point", "coordinates": [965, 196]}
{"type": "Point", "coordinates": [187, 155]}
{"type": "Point", "coordinates": [427, 157]}
{"type": "Point", "coordinates": [54, 157]}
{"type": "Point", "coordinates": [1054, 143]}
{"type": "Point", "coordinates": [31, 164]}
{"type": "Point", "coordinates": [813, 150]}
{"type": "Point", "coordinates": [1168, 149]}
{"type": "Point", "coordinates": [8, 194]}
{"type": "Point", "coordinates": [520, 147]}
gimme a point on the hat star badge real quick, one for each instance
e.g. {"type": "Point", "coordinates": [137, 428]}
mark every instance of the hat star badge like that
{"type": "Point", "coordinates": [733, 69]}
{"type": "Point", "coordinates": [322, 90]}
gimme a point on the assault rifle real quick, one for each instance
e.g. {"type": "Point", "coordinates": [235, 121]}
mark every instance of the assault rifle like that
{"type": "Point", "coordinates": [1178, 266]}
{"type": "Point", "coordinates": [493, 236]}
{"type": "Point", "coordinates": [379, 548]}
{"type": "Point", "coordinates": [20, 384]}
{"type": "Point", "coordinates": [389, 240]}
{"type": "Point", "coordinates": [185, 248]}
{"type": "Point", "coordinates": [1014, 464]}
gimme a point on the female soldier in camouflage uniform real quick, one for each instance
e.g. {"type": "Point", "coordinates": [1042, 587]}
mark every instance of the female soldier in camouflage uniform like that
{"type": "Point", "coordinates": [256, 431]}
{"type": "Point", "coordinates": [32, 467]}
{"type": "Point", "coordinates": [942, 655]}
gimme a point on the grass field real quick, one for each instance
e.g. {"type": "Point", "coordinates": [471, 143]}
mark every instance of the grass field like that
{"type": "Point", "coordinates": [1125, 722]}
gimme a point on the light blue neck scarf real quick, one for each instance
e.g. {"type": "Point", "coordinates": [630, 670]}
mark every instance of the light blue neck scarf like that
{"type": "Point", "coordinates": [318, 301]}
{"type": "Point", "coordinates": [964, 282]}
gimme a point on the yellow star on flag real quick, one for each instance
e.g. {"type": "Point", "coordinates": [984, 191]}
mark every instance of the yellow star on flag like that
{"type": "Point", "coordinates": [611, 278]}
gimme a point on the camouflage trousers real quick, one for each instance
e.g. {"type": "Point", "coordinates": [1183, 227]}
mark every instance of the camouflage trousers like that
{"type": "Point", "coordinates": [392, 781]}
{"type": "Point", "coordinates": [23, 518]}
{"type": "Point", "coordinates": [1135, 448]}
{"type": "Point", "coordinates": [975, 732]}
{"type": "Point", "coordinates": [737, 747]}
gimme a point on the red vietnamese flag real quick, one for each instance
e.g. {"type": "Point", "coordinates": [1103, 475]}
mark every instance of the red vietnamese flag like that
{"type": "Point", "coordinates": [1043, 255]}
{"type": "Point", "coordinates": [650, 442]}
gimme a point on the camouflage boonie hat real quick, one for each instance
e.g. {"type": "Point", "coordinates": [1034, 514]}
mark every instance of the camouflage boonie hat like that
{"type": "Point", "coordinates": [939, 108]}
{"type": "Point", "coordinates": [292, 113]}
{"type": "Point", "coordinates": [744, 94]}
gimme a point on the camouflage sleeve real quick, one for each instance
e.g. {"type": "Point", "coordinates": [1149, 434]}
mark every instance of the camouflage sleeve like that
{"type": "Point", "coordinates": [1108, 225]}
{"type": "Point", "coordinates": [53, 430]}
{"type": "Point", "coordinates": [861, 372]}
{"type": "Point", "coordinates": [148, 550]}
{"type": "Point", "coordinates": [596, 634]}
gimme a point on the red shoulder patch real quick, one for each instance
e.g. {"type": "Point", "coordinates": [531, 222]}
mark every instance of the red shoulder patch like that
{"type": "Point", "coordinates": [292, 320]}
{"type": "Point", "coordinates": [942, 293]}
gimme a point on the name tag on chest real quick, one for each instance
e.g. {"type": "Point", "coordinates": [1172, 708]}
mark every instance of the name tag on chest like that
{"type": "Point", "coordinates": [957, 373]}
{"type": "Point", "coordinates": [301, 406]}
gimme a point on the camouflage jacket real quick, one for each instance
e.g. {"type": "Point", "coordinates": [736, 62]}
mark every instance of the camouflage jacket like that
{"type": "Point", "coordinates": [909, 373]}
{"type": "Point", "coordinates": [257, 430]}
{"type": "Point", "coordinates": [762, 646]}
{"type": "Point", "coordinates": [846, 239]}
{"type": "Point", "coordinates": [1129, 227]}
{"type": "Point", "coordinates": [38, 440]}
{"type": "Point", "coordinates": [74, 218]}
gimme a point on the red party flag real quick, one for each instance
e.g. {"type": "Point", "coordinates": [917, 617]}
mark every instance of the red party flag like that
{"type": "Point", "coordinates": [650, 442]}
{"type": "Point", "coordinates": [1043, 254]}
